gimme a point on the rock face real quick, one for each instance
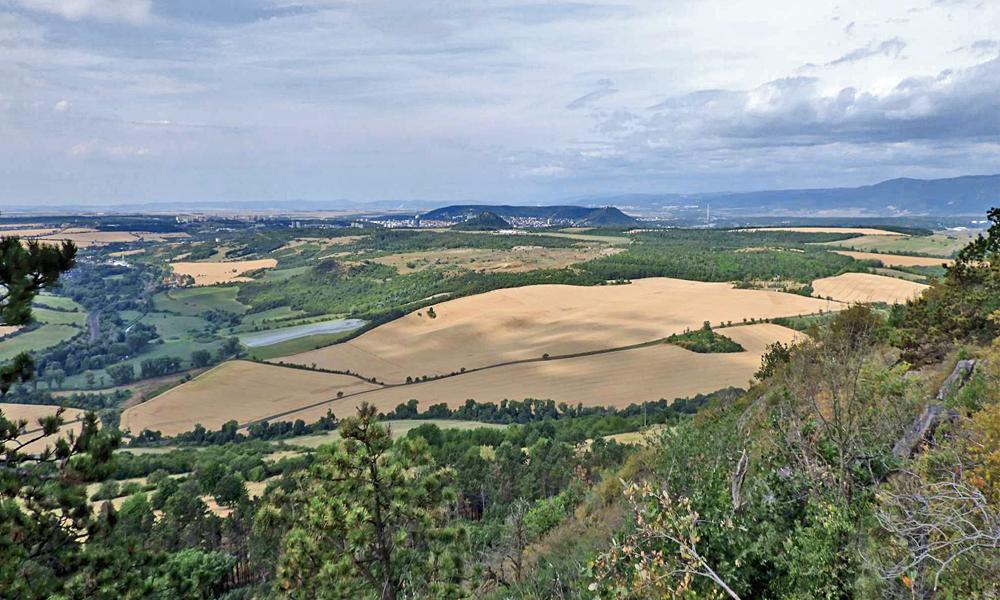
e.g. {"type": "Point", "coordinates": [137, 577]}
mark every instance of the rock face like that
{"type": "Point", "coordinates": [957, 379]}
{"type": "Point", "coordinates": [923, 428]}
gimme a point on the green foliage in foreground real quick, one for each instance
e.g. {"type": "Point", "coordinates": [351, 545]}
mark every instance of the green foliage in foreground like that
{"type": "Point", "coordinates": [387, 534]}
{"type": "Point", "coordinates": [26, 270]}
{"type": "Point", "coordinates": [963, 305]}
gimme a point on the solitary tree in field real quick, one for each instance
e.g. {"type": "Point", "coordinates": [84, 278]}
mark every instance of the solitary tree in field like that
{"type": "Point", "coordinates": [372, 521]}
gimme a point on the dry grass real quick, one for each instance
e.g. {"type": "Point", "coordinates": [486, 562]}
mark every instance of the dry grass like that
{"type": "Point", "coordinates": [6, 330]}
{"type": "Point", "coordinates": [126, 253]}
{"type": "Point", "coordinates": [897, 260]}
{"type": "Point", "coordinates": [865, 287]}
{"type": "Point", "coordinates": [32, 412]}
{"type": "Point", "coordinates": [236, 390]}
{"type": "Point", "coordinates": [247, 391]}
{"type": "Point", "coordinates": [27, 232]}
{"type": "Point", "coordinates": [518, 259]}
{"type": "Point", "coordinates": [85, 237]}
{"type": "Point", "coordinates": [211, 273]}
{"type": "Point", "coordinates": [640, 438]}
{"type": "Point", "coordinates": [611, 379]}
{"type": "Point", "coordinates": [527, 322]}
{"type": "Point", "coordinates": [857, 230]}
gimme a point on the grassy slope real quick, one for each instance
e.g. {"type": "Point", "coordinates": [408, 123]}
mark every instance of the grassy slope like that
{"type": "Point", "coordinates": [302, 344]}
{"type": "Point", "coordinates": [194, 301]}
{"type": "Point", "coordinates": [45, 336]}
{"type": "Point", "coordinates": [940, 244]}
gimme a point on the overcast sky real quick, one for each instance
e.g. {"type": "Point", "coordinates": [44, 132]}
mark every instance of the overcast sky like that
{"type": "Point", "coordinates": [106, 101]}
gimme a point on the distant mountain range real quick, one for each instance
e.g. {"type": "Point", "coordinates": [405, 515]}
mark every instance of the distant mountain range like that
{"type": "Point", "coordinates": [605, 216]}
{"type": "Point", "coordinates": [969, 195]}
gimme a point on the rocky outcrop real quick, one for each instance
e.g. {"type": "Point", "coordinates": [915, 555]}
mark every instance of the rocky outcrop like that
{"type": "Point", "coordinates": [922, 429]}
{"type": "Point", "coordinates": [935, 414]}
{"type": "Point", "coordinates": [958, 378]}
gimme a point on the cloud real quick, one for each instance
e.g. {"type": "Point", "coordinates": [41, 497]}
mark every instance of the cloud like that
{"type": "Point", "coordinates": [280, 98]}
{"type": "Point", "coordinates": [984, 47]}
{"type": "Point", "coordinates": [590, 98]}
{"type": "Point", "coordinates": [891, 48]}
{"type": "Point", "coordinates": [951, 108]}
{"type": "Point", "coordinates": [97, 148]}
{"type": "Point", "coordinates": [120, 11]}
{"type": "Point", "coordinates": [544, 171]}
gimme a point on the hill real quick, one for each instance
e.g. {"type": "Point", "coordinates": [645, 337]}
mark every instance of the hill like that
{"type": "Point", "coordinates": [484, 221]}
{"type": "Point", "coordinates": [608, 216]}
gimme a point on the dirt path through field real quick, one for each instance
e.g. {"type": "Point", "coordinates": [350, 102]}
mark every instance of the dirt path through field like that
{"type": "Point", "coordinates": [518, 324]}
{"type": "Point", "coordinates": [620, 380]}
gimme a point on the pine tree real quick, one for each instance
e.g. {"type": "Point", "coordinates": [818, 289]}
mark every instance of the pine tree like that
{"type": "Point", "coordinates": [373, 521]}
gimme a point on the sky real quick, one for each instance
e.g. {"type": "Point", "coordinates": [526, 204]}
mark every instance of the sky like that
{"type": "Point", "coordinates": [134, 101]}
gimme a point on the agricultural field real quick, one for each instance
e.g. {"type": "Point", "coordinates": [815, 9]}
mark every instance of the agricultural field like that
{"type": "Point", "coordinates": [45, 336]}
{"type": "Point", "coordinates": [27, 231]}
{"type": "Point", "coordinates": [214, 273]}
{"type": "Point", "coordinates": [516, 260]}
{"type": "Point", "coordinates": [897, 260]}
{"type": "Point", "coordinates": [851, 230]}
{"type": "Point", "coordinates": [86, 237]}
{"type": "Point", "coordinates": [248, 392]}
{"type": "Point", "coordinates": [59, 319]}
{"type": "Point", "coordinates": [236, 390]}
{"type": "Point", "coordinates": [57, 302]}
{"type": "Point", "coordinates": [865, 287]}
{"type": "Point", "coordinates": [616, 378]}
{"type": "Point", "coordinates": [33, 412]}
{"type": "Point", "coordinates": [528, 322]}
{"type": "Point", "coordinates": [944, 244]}
{"type": "Point", "coordinates": [195, 301]}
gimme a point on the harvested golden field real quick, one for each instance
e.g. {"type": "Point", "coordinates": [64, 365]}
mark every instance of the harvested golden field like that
{"type": "Point", "coordinates": [857, 230]}
{"type": "Point", "coordinates": [236, 390]}
{"type": "Point", "coordinates": [897, 260]}
{"type": "Point", "coordinates": [527, 322]}
{"type": "Point", "coordinates": [615, 378]}
{"type": "Point", "coordinates": [6, 330]}
{"type": "Point", "coordinates": [32, 412]}
{"type": "Point", "coordinates": [27, 232]}
{"type": "Point", "coordinates": [865, 287]}
{"type": "Point", "coordinates": [86, 238]}
{"type": "Point", "coordinates": [518, 259]}
{"type": "Point", "coordinates": [211, 273]}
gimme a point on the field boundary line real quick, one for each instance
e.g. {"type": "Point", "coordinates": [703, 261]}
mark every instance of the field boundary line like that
{"type": "Point", "coordinates": [522, 361]}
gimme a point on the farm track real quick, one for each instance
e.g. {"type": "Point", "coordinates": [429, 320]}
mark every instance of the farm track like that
{"type": "Point", "coordinates": [385, 386]}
